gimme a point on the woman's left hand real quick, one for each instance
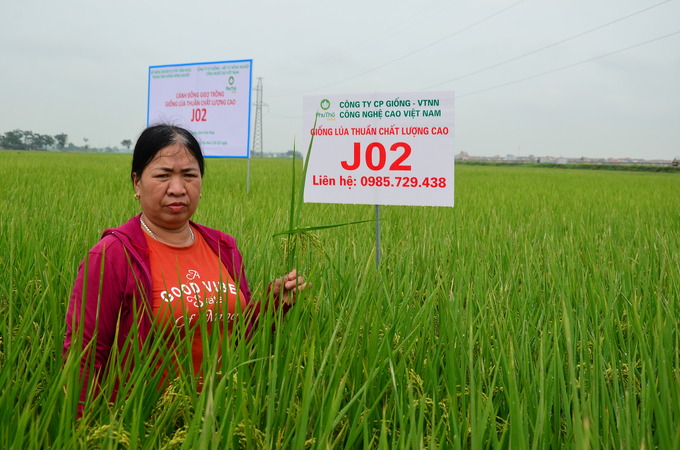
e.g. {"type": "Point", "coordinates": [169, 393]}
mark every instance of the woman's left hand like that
{"type": "Point", "coordinates": [292, 284]}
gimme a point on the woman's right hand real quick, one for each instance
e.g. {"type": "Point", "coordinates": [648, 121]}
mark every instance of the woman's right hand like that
{"type": "Point", "coordinates": [288, 286]}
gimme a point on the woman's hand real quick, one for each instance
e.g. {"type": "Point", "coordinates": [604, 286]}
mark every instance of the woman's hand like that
{"type": "Point", "coordinates": [292, 284]}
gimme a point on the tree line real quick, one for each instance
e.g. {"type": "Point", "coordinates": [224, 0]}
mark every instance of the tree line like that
{"type": "Point", "coordinates": [28, 140]}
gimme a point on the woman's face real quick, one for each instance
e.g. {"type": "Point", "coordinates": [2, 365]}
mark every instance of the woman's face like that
{"type": "Point", "coordinates": [170, 187]}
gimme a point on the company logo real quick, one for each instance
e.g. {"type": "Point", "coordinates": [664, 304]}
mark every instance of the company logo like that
{"type": "Point", "coordinates": [192, 275]}
{"type": "Point", "coordinates": [231, 81]}
{"type": "Point", "coordinates": [325, 104]}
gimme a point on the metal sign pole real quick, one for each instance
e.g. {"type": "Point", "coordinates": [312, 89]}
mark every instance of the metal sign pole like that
{"type": "Point", "coordinates": [377, 237]}
{"type": "Point", "coordinates": [248, 182]}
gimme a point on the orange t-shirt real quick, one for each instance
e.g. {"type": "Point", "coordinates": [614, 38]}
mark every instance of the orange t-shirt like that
{"type": "Point", "coordinates": [188, 282]}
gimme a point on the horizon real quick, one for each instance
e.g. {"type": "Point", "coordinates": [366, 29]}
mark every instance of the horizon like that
{"type": "Point", "coordinates": [578, 79]}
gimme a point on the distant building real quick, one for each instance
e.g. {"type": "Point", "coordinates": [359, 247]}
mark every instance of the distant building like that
{"type": "Point", "coordinates": [464, 156]}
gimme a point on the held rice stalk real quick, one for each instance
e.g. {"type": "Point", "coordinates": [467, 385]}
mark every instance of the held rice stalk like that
{"type": "Point", "coordinates": [303, 236]}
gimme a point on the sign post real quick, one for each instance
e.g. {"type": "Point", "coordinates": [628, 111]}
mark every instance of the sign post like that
{"type": "Point", "coordinates": [377, 237]}
{"type": "Point", "coordinates": [212, 100]}
{"type": "Point", "coordinates": [381, 149]}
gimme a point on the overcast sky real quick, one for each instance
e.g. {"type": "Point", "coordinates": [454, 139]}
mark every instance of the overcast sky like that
{"type": "Point", "coordinates": [81, 67]}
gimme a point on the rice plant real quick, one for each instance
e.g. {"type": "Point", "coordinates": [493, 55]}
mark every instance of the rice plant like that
{"type": "Point", "coordinates": [541, 312]}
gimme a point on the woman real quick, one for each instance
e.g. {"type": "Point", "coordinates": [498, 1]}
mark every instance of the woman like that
{"type": "Point", "coordinates": [159, 267]}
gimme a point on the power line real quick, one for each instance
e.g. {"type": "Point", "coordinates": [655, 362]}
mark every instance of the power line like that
{"type": "Point", "coordinates": [547, 46]}
{"type": "Point", "coordinates": [408, 54]}
{"type": "Point", "coordinates": [385, 38]}
{"type": "Point", "coordinates": [553, 70]}
{"type": "Point", "coordinates": [570, 65]}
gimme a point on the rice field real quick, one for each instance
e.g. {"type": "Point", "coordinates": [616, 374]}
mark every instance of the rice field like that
{"type": "Point", "coordinates": [541, 312]}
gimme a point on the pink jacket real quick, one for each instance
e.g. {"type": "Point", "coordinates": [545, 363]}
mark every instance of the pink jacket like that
{"type": "Point", "coordinates": [121, 262]}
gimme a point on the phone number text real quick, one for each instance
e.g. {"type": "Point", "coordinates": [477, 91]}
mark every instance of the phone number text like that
{"type": "Point", "coordinates": [350, 181]}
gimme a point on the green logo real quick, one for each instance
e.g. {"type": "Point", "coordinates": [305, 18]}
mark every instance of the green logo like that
{"type": "Point", "coordinates": [231, 81]}
{"type": "Point", "coordinates": [325, 104]}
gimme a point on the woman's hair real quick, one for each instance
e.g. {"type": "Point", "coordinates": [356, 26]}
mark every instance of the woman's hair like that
{"type": "Point", "coordinates": [155, 138]}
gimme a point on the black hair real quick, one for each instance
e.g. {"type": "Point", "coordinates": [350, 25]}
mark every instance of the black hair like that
{"type": "Point", "coordinates": [155, 138]}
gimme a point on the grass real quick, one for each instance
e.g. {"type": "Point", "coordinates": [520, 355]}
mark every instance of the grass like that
{"type": "Point", "coordinates": [541, 312]}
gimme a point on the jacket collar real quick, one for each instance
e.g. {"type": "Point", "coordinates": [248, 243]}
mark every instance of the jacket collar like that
{"type": "Point", "coordinates": [132, 230]}
{"type": "Point", "coordinates": [212, 236]}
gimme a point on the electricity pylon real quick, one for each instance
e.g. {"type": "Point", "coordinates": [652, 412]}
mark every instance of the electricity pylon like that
{"type": "Point", "coordinates": [257, 132]}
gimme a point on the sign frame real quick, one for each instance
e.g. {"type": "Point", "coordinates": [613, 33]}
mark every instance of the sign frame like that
{"type": "Point", "coordinates": [250, 99]}
{"type": "Point", "coordinates": [343, 153]}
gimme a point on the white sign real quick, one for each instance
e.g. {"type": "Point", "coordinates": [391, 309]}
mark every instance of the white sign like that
{"type": "Point", "coordinates": [212, 100]}
{"type": "Point", "coordinates": [380, 149]}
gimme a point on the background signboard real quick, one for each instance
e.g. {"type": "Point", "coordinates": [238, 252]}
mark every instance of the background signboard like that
{"type": "Point", "coordinates": [212, 100]}
{"type": "Point", "coordinates": [381, 149]}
